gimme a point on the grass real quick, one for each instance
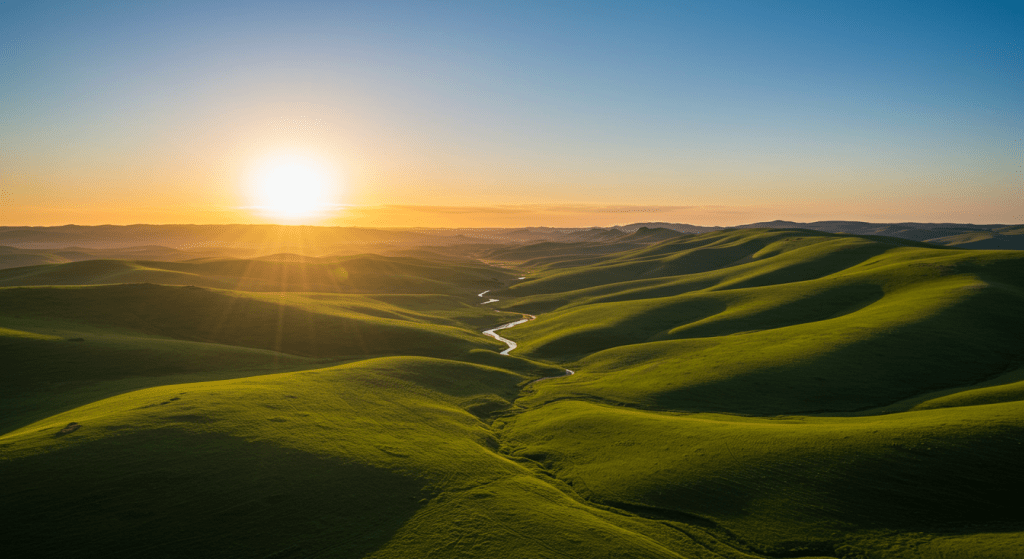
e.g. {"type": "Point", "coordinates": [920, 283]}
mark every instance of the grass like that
{"type": "Point", "coordinates": [787, 329]}
{"type": "Point", "coordinates": [788, 483]}
{"type": "Point", "coordinates": [1006, 391]}
{"type": "Point", "coordinates": [372, 458]}
{"type": "Point", "coordinates": [365, 273]}
{"type": "Point", "coordinates": [738, 394]}
{"type": "Point", "coordinates": [890, 325]}
{"type": "Point", "coordinates": [64, 345]}
{"type": "Point", "coordinates": [313, 448]}
{"type": "Point", "coordinates": [315, 325]}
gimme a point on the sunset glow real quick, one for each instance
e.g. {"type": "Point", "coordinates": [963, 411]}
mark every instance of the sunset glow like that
{"type": "Point", "coordinates": [443, 114]}
{"type": "Point", "coordinates": [293, 188]}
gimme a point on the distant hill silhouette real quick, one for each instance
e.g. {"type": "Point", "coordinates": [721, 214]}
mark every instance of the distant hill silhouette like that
{"type": "Point", "coordinates": [961, 235]}
{"type": "Point", "coordinates": [181, 242]}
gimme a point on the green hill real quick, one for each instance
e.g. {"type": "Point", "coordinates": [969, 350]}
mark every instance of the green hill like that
{"type": "Point", "coordinates": [59, 342]}
{"type": "Point", "coordinates": [860, 339]}
{"type": "Point", "coordinates": [13, 257]}
{"type": "Point", "coordinates": [377, 458]}
{"type": "Point", "coordinates": [794, 486]}
{"type": "Point", "coordinates": [737, 394]}
{"type": "Point", "coordinates": [347, 274]}
{"type": "Point", "coordinates": [315, 325]}
{"type": "Point", "coordinates": [585, 247]}
{"type": "Point", "coordinates": [787, 328]}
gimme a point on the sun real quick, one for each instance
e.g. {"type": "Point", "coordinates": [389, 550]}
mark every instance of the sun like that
{"type": "Point", "coordinates": [293, 188]}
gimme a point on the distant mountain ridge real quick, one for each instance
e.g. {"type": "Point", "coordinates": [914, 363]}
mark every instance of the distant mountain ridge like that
{"type": "Point", "coordinates": [960, 235]}
{"type": "Point", "coordinates": [331, 240]}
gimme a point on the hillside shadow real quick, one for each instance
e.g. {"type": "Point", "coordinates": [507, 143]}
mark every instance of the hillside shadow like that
{"type": "Point", "coordinates": [890, 364]}
{"type": "Point", "coordinates": [168, 493]}
{"type": "Point", "coordinates": [204, 315]}
{"type": "Point", "coordinates": [835, 261]}
{"type": "Point", "coordinates": [826, 305]}
{"type": "Point", "coordinates": [648, 326]}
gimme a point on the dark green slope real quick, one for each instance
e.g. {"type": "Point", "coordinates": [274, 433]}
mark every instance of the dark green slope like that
{"type": "Point", "coordinates": [349, 274]}
{"type": "Point", "coordinates": [379, 458]}
{"type": "Point", "coordinates": [820, 485]}
{"type": "Point", "coordinates": [334, 327]}
{"type": "Point", "coordinates": [63, 346]}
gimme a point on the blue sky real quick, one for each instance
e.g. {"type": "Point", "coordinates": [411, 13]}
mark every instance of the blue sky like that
{"type": "Point", "coordinates": [790, 110]}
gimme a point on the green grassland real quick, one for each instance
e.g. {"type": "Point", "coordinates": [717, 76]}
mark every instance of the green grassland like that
{"type": "Point", "coordinates": [778, 335]}
{"type": "Point", "coordinates": [790, 483]}
{"type": "Point", "coordinates": [786, 332]}
{"type": "Point", "coordinates": [61, 342]}
{"type": "Point", "coordinates": [378, 458]}
{"type": "Point", "coordinates": [13, 257]}
{"type": "Point", "coordinates": [737, 394]}
{"type": "Point", "coordinates": [1001, 238]}
{"type": "Point", "coordinates": [365, 273]}
{"type": "Point", "coordinates": [588, 249]}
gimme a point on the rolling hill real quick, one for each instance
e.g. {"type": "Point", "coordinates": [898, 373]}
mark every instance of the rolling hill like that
{"type": "Point", "coordinates": [739, 393]}
{"type": "Point", "coordinates": [366, 273]}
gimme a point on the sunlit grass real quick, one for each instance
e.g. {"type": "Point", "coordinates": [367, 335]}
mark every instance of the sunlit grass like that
{"type": "Point", "coordinates": [737, 394]}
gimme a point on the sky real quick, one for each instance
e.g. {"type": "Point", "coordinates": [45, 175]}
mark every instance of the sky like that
{"type": "Point", "coordinates": [476, 114]}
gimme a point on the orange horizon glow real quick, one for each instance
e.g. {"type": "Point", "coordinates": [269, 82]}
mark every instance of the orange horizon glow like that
{"type": "Point", "coordinates": [498, 216]}
{"type": "Point", "coordinates": [164, 115]}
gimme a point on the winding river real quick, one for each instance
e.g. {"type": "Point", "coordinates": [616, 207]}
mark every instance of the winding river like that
{"type": "Point", "coordinates": [493, 332]}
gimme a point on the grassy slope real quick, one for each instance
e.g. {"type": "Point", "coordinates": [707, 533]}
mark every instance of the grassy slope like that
{"type": "Point", "coordinates": [791, 331]}
{"type": "Point", "coordinates": [1007, 390]}
{"type": "Point", "coordinates": [18, 260]}
{"type": "Point", "coordinates": [11, 257]}
{"type": "Point", "coordinates": [397, 456]}
{"type": "Point", "coordinates": [377, 457]}
{"type": "Point", "coordinates": [318, 325]}
{"type": "Point", "coordinates": [365, 273]}
{"type": "Point", "coordinates": [552, 255]}
{"type": "Point", "coordinates": [780, 323]}
{"type": "Point", "coordinates": [63, 345]}
{"type": "Point", "coordinates": [1005, 238]}
{"type": "Point", "coordinates": [790, 483]}
{"type": "Point", "coordinates": [736, 258]}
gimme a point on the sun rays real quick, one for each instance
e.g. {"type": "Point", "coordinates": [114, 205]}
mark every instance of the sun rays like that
{"type": "Point", "coordinates": [293, 188]}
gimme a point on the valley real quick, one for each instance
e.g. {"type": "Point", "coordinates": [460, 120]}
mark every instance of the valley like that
{"type": "Point", "coordinates": [737, 393]}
